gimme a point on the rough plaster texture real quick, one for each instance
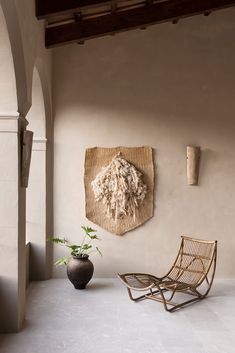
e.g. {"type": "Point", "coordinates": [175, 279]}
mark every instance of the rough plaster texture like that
{"type": "Point", "coordinates": [167, 87]}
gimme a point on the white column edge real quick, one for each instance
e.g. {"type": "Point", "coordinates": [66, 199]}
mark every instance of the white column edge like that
{"type": "Point", "coordinates": [9, 122]}
{"type": "Point", "coordinates": [9, 115]}
{"type": "Point", "coordinates": [39, 144]}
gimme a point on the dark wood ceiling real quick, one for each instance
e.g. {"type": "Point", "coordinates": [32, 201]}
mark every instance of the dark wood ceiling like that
{"type": "Point", "coordinates": [69, 21]}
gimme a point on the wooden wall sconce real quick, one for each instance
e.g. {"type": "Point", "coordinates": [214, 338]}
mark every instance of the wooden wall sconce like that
{"type": "Point", "coordinates": [193, 163]}
{"type": "Point", "coordinates": [26, 157]}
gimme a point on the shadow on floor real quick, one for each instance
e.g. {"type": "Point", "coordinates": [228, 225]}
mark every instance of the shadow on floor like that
{"type": "Point", "coordinates": [99, 285]}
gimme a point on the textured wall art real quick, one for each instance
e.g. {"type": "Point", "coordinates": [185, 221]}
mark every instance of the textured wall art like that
{"type": "Point", "coordinates": [119, 187]}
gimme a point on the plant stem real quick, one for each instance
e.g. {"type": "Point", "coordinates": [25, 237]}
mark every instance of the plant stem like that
{"type": "Point", "coordinates": [83, 241]}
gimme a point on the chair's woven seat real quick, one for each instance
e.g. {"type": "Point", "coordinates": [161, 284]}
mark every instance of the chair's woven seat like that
{"type": "Point", "coordinates": [139, 280]}
{"type": "Point", "coordinates": [172, 285]}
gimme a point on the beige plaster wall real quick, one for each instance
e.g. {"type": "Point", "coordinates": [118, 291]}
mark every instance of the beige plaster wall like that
{"type": "Point", "coordinates": [167, 87]}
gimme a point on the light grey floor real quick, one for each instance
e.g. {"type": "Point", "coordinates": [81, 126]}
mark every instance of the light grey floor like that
{"type": "Point", "coordinates": [101, 319]}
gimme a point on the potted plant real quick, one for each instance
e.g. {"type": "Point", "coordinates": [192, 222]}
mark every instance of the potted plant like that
{"type": "Point", "coordinates": [79, 268]}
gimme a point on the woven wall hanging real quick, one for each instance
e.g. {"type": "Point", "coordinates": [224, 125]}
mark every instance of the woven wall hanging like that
{"type": "Point", "coordinates": [119, 186]}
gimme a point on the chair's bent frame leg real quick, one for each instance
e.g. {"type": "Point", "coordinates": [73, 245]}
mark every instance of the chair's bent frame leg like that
{"type": "Point", "coordinates": [141, 297]}
{"type": "Point", "coordinates": [159, 291]}
{"type": "Point", "coordinates": [136, 299]}
{"type": "Point", "coordinates": [163, 299]}
{"type": "Point", "coordinates": [158, 295]}
{"type": "Point", "coordinates": [160, 298]}
{"type": "Point", "coordinates": [167, 302]}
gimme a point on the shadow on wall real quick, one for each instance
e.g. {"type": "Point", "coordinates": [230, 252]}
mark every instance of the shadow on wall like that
{"type": "Point", "coordinates": [208, 157]}
{"type": "Point", "coordinates": [38, 263]}
{"type": "Point", "coordinates": [8, 308]}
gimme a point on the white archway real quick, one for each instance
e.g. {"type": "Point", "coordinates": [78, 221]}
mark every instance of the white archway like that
{"type": "Point", "coordinates": [36, 115]}
{"type": "Point", "coordinates": [36, 192]}
{"type": "Point", "coordinates": [9, 12]}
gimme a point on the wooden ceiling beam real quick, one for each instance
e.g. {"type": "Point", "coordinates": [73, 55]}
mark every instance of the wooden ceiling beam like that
{"type": "Point", "coordinates": [130, 19]}
{"type": "Point", "coordinates": [49, 8]}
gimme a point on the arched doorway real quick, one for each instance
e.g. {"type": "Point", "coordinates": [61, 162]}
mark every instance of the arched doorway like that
{"type": "Point", "coordinates": [36, 192]}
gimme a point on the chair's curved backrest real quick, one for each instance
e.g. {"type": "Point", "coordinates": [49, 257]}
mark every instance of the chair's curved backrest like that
{"type": "Point", "coordinates": [194, 261]}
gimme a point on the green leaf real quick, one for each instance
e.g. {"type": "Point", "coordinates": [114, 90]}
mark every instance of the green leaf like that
{"type": "Point", "coordinates": [91, 230]}
{"type": "Point", "coordinates": [88, 230]}
{"type": "Point", "coordinates": [86, 247]}
{"type": "Point", "coordinates": [73, 247]}
{"type": "Point", "coordinates": [57, 240]}
{"type": "Point", "coordinates": [94, 237]}
{"type": "Point", "coordinates": [62, 261]}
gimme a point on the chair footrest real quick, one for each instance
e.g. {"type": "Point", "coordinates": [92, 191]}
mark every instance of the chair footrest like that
{"type": "Point", "coordinates": [139, 281]}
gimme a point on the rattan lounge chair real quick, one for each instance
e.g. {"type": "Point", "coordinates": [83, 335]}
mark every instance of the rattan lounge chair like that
{"type": "Point", "coordinates": [192, 273]}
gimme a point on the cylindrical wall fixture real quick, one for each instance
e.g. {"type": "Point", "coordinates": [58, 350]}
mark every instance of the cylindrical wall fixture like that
{"type": "Point", "coordinates": [193, 162]}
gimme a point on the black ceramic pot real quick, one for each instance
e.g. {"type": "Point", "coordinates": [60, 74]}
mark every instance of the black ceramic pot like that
{"type": "Point", "coordinates": [80, 270]}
